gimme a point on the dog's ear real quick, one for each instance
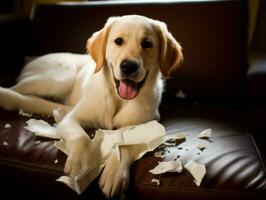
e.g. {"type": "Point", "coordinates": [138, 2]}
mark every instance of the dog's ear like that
{"type": "Point", "coordinates": [96, 44]}
{"type": "Point", "coordinates": [170, 50]}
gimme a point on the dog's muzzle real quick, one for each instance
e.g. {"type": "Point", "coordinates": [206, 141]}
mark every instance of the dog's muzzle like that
{"type": "Point", "coordinates": [127, 88]}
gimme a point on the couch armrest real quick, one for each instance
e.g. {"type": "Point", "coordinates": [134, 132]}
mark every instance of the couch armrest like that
{"type": "Point", "coordinates": [256, 99]}
{"type": "Point", "coordinates": [256, 90]}
{"type": "Point", "coordinates": [256, 80]}
{"type": "Point", "coordinates": [14, 40]}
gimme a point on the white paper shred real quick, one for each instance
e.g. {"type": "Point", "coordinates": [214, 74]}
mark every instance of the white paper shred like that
{"type": "Point", "coordinates": [37, 142]}
{"type": "Point", "coordinates": [5, 143]}
{"type": "Point", "coordinates": [25, 114]}
{"type": "Point", "coordinates": [205, 134]}
{"type": "Point", "coordinates": [178, 136]}
{"type": "Point", "coordinates": [155, 180]}
{"type": "Point", "coordinates": [180, 94]}
{"type": "Point", "coordinates": [41, 128]}
{"type": "Point", "coordinates": [147, 136]}
{"type": "Point", "coordinates": [144, 137]}
{"type": "Point", "coordinates": [197, 170]}
{"type": "Point", "coordinates": [167, 166]}
{"type": "Point", "coordinates": [7, 125]}
{"type": "Point", "coordinates": [159, 154]}
{"type": "Point", "coordinates": [201, 147]}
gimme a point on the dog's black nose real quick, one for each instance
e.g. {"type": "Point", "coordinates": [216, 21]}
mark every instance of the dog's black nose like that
{"type": "Point", "coordinates": [128, 67]}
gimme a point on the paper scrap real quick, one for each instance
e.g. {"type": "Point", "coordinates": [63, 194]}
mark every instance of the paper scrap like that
{"type": "Point", "coordinates": [197, 170]}
{"type": "Point", "coordinates": [181, 135]}
{"type": "Point", "coordinates": [79, 183]}
{"type": "Point", "coordinates": [178, 136]}
{"type": "Point", "coordinates": [25, 114]}
{"type": "Point", "coordinates": [167, 166]}
{"type": "Point", "coordinates": [201, 147]}
{"type": "Point", "coordinates": [37, 142]}
{"type": "Point", "coordinates": [7, 125]}
{"type": "Point", "coordinates": [5, 143]}
{"type": "Point", "coordinates": [205, 134]}
{"type": "Point", "coordinates": [159, 154]}
{"type": "Point", "coordinates": [155, 180]}
{"type": "Point", "coordinates": [145, 137]}
{"type": "Point", "coordinates": [149, 136]}
{"type": "Point", "coordinates": [41, 128]}
{"type": "Point", "coordinates": [180, 94]}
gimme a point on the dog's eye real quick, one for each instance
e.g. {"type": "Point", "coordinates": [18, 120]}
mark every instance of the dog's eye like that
{"type": "Point", "coordinates": [146, 44]}
{"type": "Point", "coordinates": [119, 41]}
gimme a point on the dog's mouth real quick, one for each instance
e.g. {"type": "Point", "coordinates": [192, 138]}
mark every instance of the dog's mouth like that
{"type": "Point", "coordinates": [129, 89]}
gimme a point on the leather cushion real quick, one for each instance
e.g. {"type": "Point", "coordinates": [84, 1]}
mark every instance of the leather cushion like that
{"type": "Point", "coordinates": [234, 167]}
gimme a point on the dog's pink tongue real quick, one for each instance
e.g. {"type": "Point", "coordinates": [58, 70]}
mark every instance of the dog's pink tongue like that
{"type": "Point", "coordinates": [127, 89]}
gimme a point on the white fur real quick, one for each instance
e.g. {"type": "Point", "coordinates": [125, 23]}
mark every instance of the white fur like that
{"type": "Point", "coordinates": [65, 85]}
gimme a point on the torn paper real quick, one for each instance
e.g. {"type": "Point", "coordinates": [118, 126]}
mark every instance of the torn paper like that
{"type": "Point", "coordinates": [167, 166]}
{"type": "Point", "coordinates": [41, 128]}
{"type": "Point", "coordinates": [205, 134]}
{"type": "Point", "coordinates": [80, 182]}
{"type": "Point", "coordinates": [25, 114]}
{"type": "Point", "coordinates": [201, 147]}
{"type": "Point", "coordinates": [5, 143]}
{"type": "Point", "coordinates": [148, 136]}
{"type": "Point", "coordinates": [159, 154]}
{"type": "Point", "coordinates": [197, 170]}
{"type": "Point", "coordinates": [37, 142]}
{"type": "Point", "coordinates": [7, 125]}
{"type": "Point", "coordinates": [175, 139]}
{"type": "Point", "coordinates": [180, 94]}
{"type": "Point", "coordinates": [141, 139]}
{"type": "Point", "coordinates": [178, 136]}
{"type": "Point", "coordinates": [155, 180]}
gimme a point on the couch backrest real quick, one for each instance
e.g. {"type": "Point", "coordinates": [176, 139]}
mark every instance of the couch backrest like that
{"type": "Point", "coordinates": [213, 35]}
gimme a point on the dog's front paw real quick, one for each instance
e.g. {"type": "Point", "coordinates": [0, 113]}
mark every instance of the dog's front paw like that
{"type": "Point", "coordinates": [78, 155]}
{"type": "Point", "coordinates": [114, 179]}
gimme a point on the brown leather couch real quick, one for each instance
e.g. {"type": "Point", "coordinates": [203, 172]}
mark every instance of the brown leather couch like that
{"type": "Point", "coordinates": [213, 77]}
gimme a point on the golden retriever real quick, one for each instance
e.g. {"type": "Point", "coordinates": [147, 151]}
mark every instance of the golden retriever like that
{"type": "Point", "coordinates": [118, 84]}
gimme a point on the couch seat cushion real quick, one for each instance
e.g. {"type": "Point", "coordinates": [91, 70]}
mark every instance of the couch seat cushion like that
{"type": "Point", "coordinates": [233, 164]}
{"type": "Point", "coordinates": [234, 169]}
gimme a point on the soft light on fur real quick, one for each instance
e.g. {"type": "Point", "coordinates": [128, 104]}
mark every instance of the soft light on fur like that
{"type": "Point", "coordinates": [93, 90]}
{"type": "Point", "coordinates": [171, 51]}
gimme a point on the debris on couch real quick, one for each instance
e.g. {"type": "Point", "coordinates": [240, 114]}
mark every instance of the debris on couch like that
{"type": "Point", "coordinates": [180, 94]}
{"type": "Point", "coordinates": [111, 140]}
{"type": "Point", "coordinates": [145, 137]}
{"type": "Point", "coordinates": [7, 125]}
{"type": "Point", "coordinates": [155, 180]}
{"type": "Point", "coordinates": [205, 134]}
{"type": "Point", "coordinates": [167, 166]}
{"type": "Point", "coordinates": [24, 114]}
{"type": "Point", "coordinates": [197, 170]}
{"type": "Point", "coordinates": [41, 128]}
{"type": "Point", "coordinates": [5, 143]}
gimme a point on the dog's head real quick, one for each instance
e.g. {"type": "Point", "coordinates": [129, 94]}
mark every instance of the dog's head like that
{"type": "Point", "coordinates": [135, 48]}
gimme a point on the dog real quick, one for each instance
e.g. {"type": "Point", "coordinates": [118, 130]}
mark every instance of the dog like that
{"type": "Point", "coordinates": [117, 84]}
